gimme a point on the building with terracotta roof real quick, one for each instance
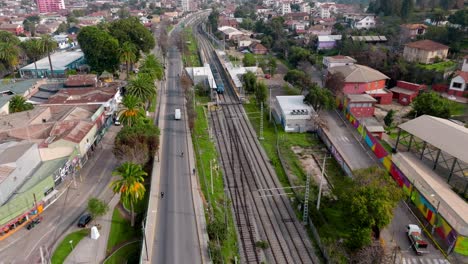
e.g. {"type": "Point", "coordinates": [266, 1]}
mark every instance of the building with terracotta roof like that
{"type": "Point", "coordinates": [425, 51]}
{"type": "Point", "coordinates": [412, 31]}
{"type": "Point", "coordinates": [405, 92]}
{"type": "Point", "coordinates": [12, 28]}
{"type": "Point", "coordinates": [258, 48]}
{"type": "Point", "coordinates": [459, 84]}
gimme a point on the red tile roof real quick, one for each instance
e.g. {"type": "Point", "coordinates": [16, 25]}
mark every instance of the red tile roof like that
{"type": "Point", "coordinates": [426, 44]}
{"type": "Point", "coordinates": [462, 74]}
{"type": "Point", "coordinates": [82, 96]}
{"type": "Point", "coordinates": [414, 26]}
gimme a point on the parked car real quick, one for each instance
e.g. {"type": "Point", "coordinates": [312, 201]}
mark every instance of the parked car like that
{"type": "Point", "coordinates": [33, 223]}
{"type": "Point", "coordinates": [84, 220]}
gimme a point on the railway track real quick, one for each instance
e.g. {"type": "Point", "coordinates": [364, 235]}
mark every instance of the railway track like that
{"type": "Point", "coordinates": [248, 173]}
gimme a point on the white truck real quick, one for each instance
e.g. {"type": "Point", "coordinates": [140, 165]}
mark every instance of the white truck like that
{"type": "Point", "coordinates": [177, 114]}
{"type": "Point", "coordinates": [415, 237]}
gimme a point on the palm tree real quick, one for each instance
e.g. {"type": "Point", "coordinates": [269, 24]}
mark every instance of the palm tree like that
{"type": "Point", "coordinates": [33, 50]}
{"type": "Point", "coordinates": [132, 111]}
{"type": "Point", "coordinates": [48, 44]}
{"type": "Point", "coordinates": [152, 67]}
{"type": "Point", "coordinates": [130, 186]}
{"type": "Point", "coordinates": [9, 53]}
{"type": "Point", "coordinates": [19, 104]}
{"type": "Point", "coordinates": [127, 54]}
{"type": "Point", "coordinates": [142, 87]}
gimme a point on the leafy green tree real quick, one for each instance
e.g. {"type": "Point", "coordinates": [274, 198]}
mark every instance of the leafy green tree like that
{"type": "Point", "coordinates": [132, 111]}
{"type": "Point", "coordinates": [100, 49]}
{"type": "Point", "coordinates": [272, 65]}
{"type": "Point", "coordinates": [438, 15]}
{"type": "Point", "coordinates": [459, 18]}
{"type": "Point", "coordinates": [370, 203]}
{"type": "Point", "coordinates": [127, 54]}
{"type": "Point", "coordinates": [19, 104]}
{"type": "Point", "coordinates": [407, 7]}
{"type": "Point", "coordinates": [33, 50]}
{"type": "Point", "coordinates": [131, 30]}
{"type": "Point", "coordinates": [432, 104]}
{"type": "Point", "coordinates": [213, 19]}
{"type": "Point", "coordinates": [335, 82]}
{"type": "Point", "coordinates": [298, 78]}
{"type": "Point", "coordinates": [388, 119]}
{"type": "Point", "coordinates": [130, 185]}
{"type": "Point", "coordinates": [249, 81]}
{"type": "Point", "coordinates": [249, 60]}
{"type": "Point", "coordinates": [152, 67]}
{"type": "Point", "coordinates": [48, 45]}
{"type": "Point", "coordinates": [297, 54]}
{"type": "Point", "coordinates": [9, 54]}
{"type": "Point", "coordinates": [261, 92]}
{"type": "Point", "coordinates": [142, 133]}
{"type": "Point", "coordinates": [142, 87]}
{"type": "Point", "coordinates": [319, 98]}
{"type": "Point", "coordinates": [97, 207]}
{"type": "Point", "coordinates": [8, 37]}
{"type": "Point", "coordinates": [63, 27]}
{"type": "Point", "coordinates": [247, 24]}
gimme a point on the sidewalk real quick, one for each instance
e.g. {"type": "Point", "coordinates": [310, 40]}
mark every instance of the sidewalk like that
{"type": "Point", "coordinates": [94, 251]}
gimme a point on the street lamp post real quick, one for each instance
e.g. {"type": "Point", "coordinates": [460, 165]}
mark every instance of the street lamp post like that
{"type": "Point", "coordinates": [321, 182]}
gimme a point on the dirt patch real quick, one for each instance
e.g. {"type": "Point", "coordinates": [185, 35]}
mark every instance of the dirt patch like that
{"type": "Point", "coordinates": [309, 164]}
{"type": "Point", "coordinates": [400, 111]}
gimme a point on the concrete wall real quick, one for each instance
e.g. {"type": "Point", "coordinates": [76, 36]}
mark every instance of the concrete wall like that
{"type": "Point", "coordinates": [56, 152]}
{"type": "Point", "coordinates": [87, 140]}
{"type": "Point", "coordinates": [25, 165]}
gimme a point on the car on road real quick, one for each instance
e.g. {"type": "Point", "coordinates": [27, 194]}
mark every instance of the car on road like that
{"type": "Point", "coordinates": [177, 114]}
{"type": "Point", "coordinates": [84, 220]}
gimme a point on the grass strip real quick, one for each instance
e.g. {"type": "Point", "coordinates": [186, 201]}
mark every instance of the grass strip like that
{"type": "Point", "coordinates": [205, 151]}
{"type": "Point", "coordinates": [64, 248]}
{"type": "Point", "coordinates": [121, 231]}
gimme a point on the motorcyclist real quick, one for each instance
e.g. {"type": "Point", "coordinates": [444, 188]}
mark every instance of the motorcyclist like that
{"type": "Point", "coordinates": [162, 195]}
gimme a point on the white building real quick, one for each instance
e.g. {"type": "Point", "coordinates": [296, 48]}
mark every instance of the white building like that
{"type": "Point", "coordinates": [305, 7]}
{"type": "Point", "coordinates": [293, 114]}
{"type": "Point", "coordinates": [202, 74]}
{"type": "Point", "coordinates": [185, 4]}
{"type": "Point", "coordinates": [364, 23]}
{"type": "Point", "coordinates": [338, 60]}
{"type": "Point", "coordinates": [465, 64]}
{"type": "Point", "coordinates": [324, 12]}
{"type": "Point", "coordinates": [458, 85]}
{"type": "Point", "coordinates": [285, 8]}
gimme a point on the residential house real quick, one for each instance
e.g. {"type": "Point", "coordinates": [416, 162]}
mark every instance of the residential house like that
{"type": "Point", "coordinates": [47, 28]}
{"type": "Point", "coordinates": [405, 92]}
{"type": "Point", "coordinates": [361, 21]}
{"type": "Point", "coordinates": [319, 30]}
{"type": "Point", "coordinates": [425, 51]}
{"type": "Point", "coordinates": [459, 84]}
{"type": "Point", "coordinates": [412, 31]}
{"type": "Point", "coordinates": [258, 48]}
{"type": "Point", "coordinates": [360, 79]}
{"type": "Point", "coordinates": [12, 28]}
{"type": "Point", "coordinates": [10, 88]}
{"type": "Point", "coordinates": [465, 64]}
{"type": "Point", "coordinates": [327, 41]}
{"type": "Point", "coordinates": [298, 16]}
{"type": "Point", "coordinates": [338, 60]}
{"type": "Point", "coordinates": [228, 22]}
{"type": "Point", "coordinates": [230, 32]}
{"type": "Point", "coordinates": [326, 10]}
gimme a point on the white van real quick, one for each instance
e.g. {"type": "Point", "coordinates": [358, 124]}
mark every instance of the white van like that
{"type": "Point", "coordinates": [177, 114]}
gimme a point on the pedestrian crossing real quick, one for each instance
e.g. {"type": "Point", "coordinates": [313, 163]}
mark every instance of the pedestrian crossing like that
{"type": "Point", "coordinates": [423, 260]}
{"type": "Point", "coordinates": [343, 139]}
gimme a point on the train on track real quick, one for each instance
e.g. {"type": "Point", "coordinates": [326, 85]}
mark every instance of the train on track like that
{"type": "Point", "coordinates": [218, 80]}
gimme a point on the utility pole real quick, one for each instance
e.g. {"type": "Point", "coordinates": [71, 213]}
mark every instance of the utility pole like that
{"type": "Point", "coordinates": [305, 216]}
{"type": "Point", "coordinates": [269, 119]}
{"type": "Point", "coordinates": [321, 182]}
{"type": "Point", "coordinates": [261, 122]}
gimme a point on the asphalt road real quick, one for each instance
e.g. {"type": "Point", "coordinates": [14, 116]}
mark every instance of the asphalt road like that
{"type": "Point", "coordinates": [356, 154]}
{"type": "Point", "coordinates": [176, 232]}
{"type": "Point", "coordinates": [61, 217]}
{"type": "Point", "coordinates": [401, 219]}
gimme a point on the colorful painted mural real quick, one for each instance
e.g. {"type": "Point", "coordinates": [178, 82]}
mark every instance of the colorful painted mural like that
{"type": "Point", "coordinates": [453, 241]}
